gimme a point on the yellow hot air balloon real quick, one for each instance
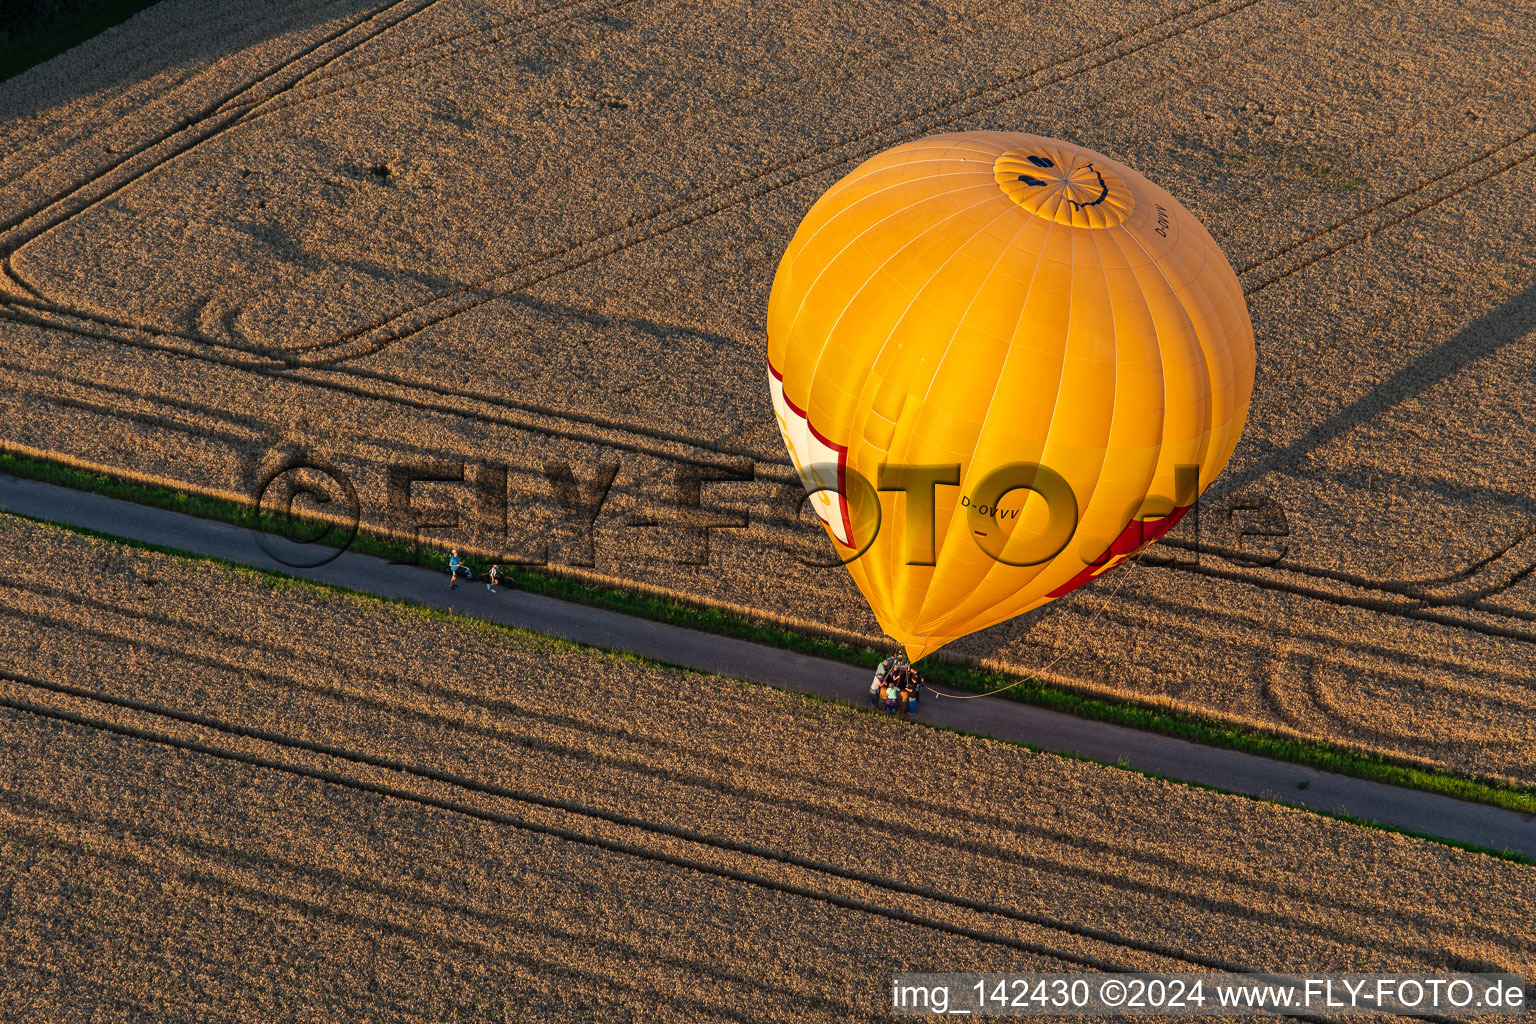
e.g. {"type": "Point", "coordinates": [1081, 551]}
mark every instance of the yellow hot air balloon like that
{"type": "Point", "coordinates": [1001, 364]}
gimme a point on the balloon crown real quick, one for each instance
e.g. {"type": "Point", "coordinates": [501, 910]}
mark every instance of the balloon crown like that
{"type": "Point", "coordinates": [1064, 185]}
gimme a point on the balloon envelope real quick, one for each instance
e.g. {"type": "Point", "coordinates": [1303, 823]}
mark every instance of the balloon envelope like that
{"type": "Point", "coordinates": [1002, 364]}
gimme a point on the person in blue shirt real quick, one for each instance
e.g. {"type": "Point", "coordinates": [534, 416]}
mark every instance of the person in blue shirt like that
{"type": "Point", "coordinates": [895, 672]}
{"type": "Point", "coordinates": [895, 661]}
{"type": "Point", "coordinates": [455, 566]}
{"type": "Point", "coordinates": [896, 675]}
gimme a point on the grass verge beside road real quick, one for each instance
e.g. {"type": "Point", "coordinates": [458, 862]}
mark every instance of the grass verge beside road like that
{"type": "Point", "coordinates": [1194, 728]}
{"type": "Point", "coordinates": [280, 580]}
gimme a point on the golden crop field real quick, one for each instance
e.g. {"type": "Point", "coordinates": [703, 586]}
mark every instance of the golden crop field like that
{"type": "Point", "coordinates": [469, 240]}
{"type": "Point", "coordinates": [229, 796]}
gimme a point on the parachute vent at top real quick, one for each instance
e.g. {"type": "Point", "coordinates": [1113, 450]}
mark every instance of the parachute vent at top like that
{"type": "Point", "coordinates": [1039, 317]}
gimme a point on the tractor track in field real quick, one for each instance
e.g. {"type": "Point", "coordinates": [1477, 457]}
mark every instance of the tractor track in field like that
{"type": "Point", "coordinates": [963, 823]}
{"type": "Point", "coordinates": [439, 48]}
{"type": "Point", "coordinates": [233, 111]}
{"type": "Point", "coordinates": [198, 345]}
{"type": "Point", "coordinates": [1281, 42]}
{"type": "Point", "coordinates": [1397, 598]}
{"type": "Point", "coordinates": [1523, 146]}
{"type": "Point", "coordinates": [1400, 598]}
{"type": "Point", "coordinates": [570, 811]}
{"type": "Point", "coordinates": [119, 402]}
{"type": "Point", "coordinates": [36, 299]}
{"type": "Point", "coordinates": [379, 334]}
{"type": "Point", "coordinates": [1404, 594]}
{"type": "Point", "coordinates": [498, 766]}
{"type": "Point", "coordinates": [749, 103]}
{"type": "Point", "coordinates": [249, 110]}
{"type": "Point", "coordinates": [967, 24]}
{"type": "Point", "coordinates": [1424, 610]}
{"type": "Point", "coordinates": [43, 306]}
{"type": "Point", "coordinates": [634, 437]}
{"type": "Point", "coordinates": [25, 155]}
{"type": "Point", "coordinates": [1322, 700]}
{"type": "Point", "coordinates": [39, 302]}
{"type": "Point", "coordinates": [240, 111]}
{"type": "Point", "coordinates": [1434, 815]}
{"type": "Point", "coordinates": [544, 742]}
{"type": "Point", "coordinates": [1498, 689]}
{"type": "Point", "coordinates": [220, 873]}
{"type": "Point", "coordinates": [569, 816]}
{"type": "Point", "coordinates": [365, 339]}
{"type": "Point", "coordinates": [212, 118]}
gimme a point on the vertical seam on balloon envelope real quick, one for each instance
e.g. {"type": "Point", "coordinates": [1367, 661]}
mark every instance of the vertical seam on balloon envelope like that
{"type": "Point", "coordinates": [1162, 426]}
{"type": "Point", "coordinates": [917, 294]}
{"type": "Point", "coordinates": [1152, 262]}
{"type": "Point", "coordinates": [1109, 428]}
{"type": "Point", "coordinates": [1206, 365]}
{"type": "Point", "coordinates": [1226, 382]}
{"type": "Point", "coordinates": [1215, 386]}
{"type": "Point", "coordinates": [830, 220]}
{"type": "Point", "coordinates": [918, 145]}
{"type": "Point", "coordinates": [924, 287]}
{"type": "Point", "coordinates": [859, 291]}
{"type": "Point", "coordinates": [826, 340]}
{"type": "Point", "coordinates": [949, 346]}
{"type": "Point", "coordinates": [1234, 302]}
{"type": "Point", "coordinates": [884, 188]}
{"type": "Point", "coordinates": [1050, 431]}
{"type": "Point", "coordinates": [965, 480]}
{"type": "Point", "coordinates": [806, 292]}
{"type": "Point", "coordinates": [1027, 220]}
{"type": "Point", "coordinates": [869, 278]}
{"type": "Point", "coordinates": [1085, 501]}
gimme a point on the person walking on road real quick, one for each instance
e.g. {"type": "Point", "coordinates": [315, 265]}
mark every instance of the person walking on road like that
{"type": "Point", "coordinates": [455, 566]}
{"type": "Point", "coordinates": [492, 578]}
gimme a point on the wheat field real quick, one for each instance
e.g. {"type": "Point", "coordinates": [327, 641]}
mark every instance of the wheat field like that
{"type": "Point", "coordinates": [487, 238]}
{"type": "Point", "coordinates": [232, 796]}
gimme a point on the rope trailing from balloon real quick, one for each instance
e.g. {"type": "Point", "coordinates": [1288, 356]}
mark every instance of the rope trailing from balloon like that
{"type": "Point", "coordinates": [1124, 576]}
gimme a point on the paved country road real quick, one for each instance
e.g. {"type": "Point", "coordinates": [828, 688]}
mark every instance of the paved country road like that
{"type": "Point", "coordinates": [989, 716]}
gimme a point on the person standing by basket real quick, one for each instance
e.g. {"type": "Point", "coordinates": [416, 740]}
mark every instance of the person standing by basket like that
{"type": "Point", "coordinates": [884, 671]}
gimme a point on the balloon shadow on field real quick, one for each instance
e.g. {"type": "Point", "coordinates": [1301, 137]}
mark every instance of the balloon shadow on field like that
{"type": "Point", "coordinates": [1488, 334]}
